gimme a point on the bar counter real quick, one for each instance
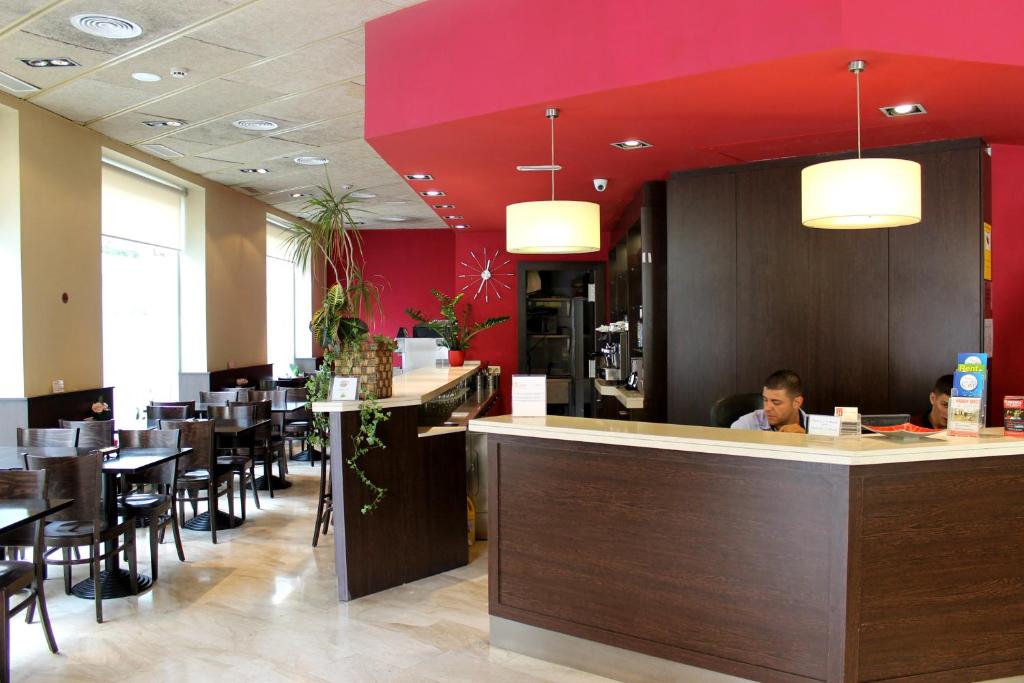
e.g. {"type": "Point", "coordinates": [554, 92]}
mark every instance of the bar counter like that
{"type": "Point", "coordinates": [624, 547]}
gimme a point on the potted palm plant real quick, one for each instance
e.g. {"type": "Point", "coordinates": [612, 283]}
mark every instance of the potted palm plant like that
{"type": "Point", "coordinates": [456, 333]}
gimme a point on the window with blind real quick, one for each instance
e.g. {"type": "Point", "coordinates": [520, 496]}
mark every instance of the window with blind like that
{"type": "Point", "coordinates": [143, 227]}
{"type": "Point", "coordinates": [289, 309]}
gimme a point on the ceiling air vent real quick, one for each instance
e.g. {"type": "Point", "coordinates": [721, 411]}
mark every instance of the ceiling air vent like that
{"type": "Point", "coordinates": [15, 85]}
{"type": "Point", "coordinates": [254, 124]}
{"type": "Point", "coordinates": [162, 151]}
{"type": "Point", "coordinates": [311, 161]}
{"type": "Point", "coordinates": [106, 26]}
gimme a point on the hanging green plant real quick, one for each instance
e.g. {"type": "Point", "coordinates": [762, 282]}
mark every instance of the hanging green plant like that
{"type": "Point", "coordinates": [371, 416]}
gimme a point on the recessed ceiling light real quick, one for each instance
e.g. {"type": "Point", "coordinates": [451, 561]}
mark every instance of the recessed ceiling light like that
{"type": "Point", "coordinates": [49, 61]}
{"type": "Point", "coordinates": [454, 218]}
{"type": "Point", "coordinates": [444, 206]}
{"type": "Point", "coordinates": [903, 110]}
{"type": "Point", "coordinates": [396, 201]}
{"type": "Point", "coordinates": [164, 123]}
{"type": "Point", "coordinates": [632, 143]}
{"type": "Point", "coordinates": [301, 194]}
{"type": "Point", "coordinates": [460, 226]}
{"type": "Point", "coordinates": [146, 77]}
{"type": "Point", "coordinates": [363, 195]}
{"type": "Point", "coordinates": [106, 26]}
{"type": "Point", "coordinates": [432, 193]}
{"type": "Point", "coordinates": [254, 124]}
{"type": "Point", "coordinates": [162, 151]}
{"type": "Point", "coordinates": [178, 72]}
{"type": "Point", "coordinates": [254, 170]}
{"type": "Point", "coordinates": [418, 176]}
{"type": "Point", "coordinates": [393, 219]}
{"type": "Point", "coordinates": [311, 161]}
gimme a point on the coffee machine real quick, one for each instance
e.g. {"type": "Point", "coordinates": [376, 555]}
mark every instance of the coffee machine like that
{"type": "Point", "coordinates": [613, 355]}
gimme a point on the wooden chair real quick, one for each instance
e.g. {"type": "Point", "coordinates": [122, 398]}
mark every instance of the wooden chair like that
{"type": "Point", "coordinates": [157, 504]}
{"type": "Point", "coordinates": [199, 476]}
{"type": "Point", "coordinates": [218, 397]}
{"type": "Point", "coordinates": [243, 464]}
{"type": "Point", "coordinates": [325, 501]}
{"type": "Point", "coordinates": [297, 428]}
{"type": "Point", "coordinates": [190, 406]}
{"type": "Point", "coordinates": [19, 576]}
{"type": "Point", "coordinates": [156, 413]}
{"type": "Point", "coordinates": [47, 437]}
{"type": "Point", "coordinates": [82, 524]}
{"type": "Point", "coordinates": [92, 433]}
{"type": "Point", "coordinates": [276, 419]}
{"type": "Point", "coordinates": [268, 447]}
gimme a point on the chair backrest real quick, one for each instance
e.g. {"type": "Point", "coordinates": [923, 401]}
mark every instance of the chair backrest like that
{"type": "Point", "coordinates": [164, 474]}
{"type": "Point", "coordinates": [22, 484]}
{"type": "Point", "coordinates": [197, 435]}
{"type": "Point", "coordinates": [92, 433]}
{"type": "Point", "coordinates": [156, 413]}
{"type": "Point", "coordinates": [35, 436]}
{"type": "Point", "coordinates": [295, 393]}
{"type": "Point", "coordinates": [239, 413]}
{"type": "Point", "coordinates": [72, 476]}
{"type": "Point", "coordinates": [269, 395]}
{"type": "Point", "coordinates": [260, 409]}
{"type": "Point", "coordinates": [731, 408]}
{"type": "Point", "coordinates": [218, 397]}
{"type": "Point", "coordinates": [190, 406]}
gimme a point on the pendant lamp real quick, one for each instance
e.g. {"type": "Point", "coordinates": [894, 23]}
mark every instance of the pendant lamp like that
{"type": "Point", "coordinates": [861, 193]}
{"type": "Point", "coordinates": [552, 227]}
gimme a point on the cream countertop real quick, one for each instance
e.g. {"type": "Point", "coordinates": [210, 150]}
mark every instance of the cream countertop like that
{"type": "Point", "coordinates": [409, 388]}
{"type": "Point", "coordinates": [629, 398]}
{"type": "Point", "coordinates": [862, 450]}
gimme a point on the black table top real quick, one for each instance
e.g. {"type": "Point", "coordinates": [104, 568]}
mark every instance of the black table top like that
{"type": "Point", "coordinates": [129, 460]}
{"type": "Point", "coordinates": [237, 427]}
{"type": "Point", "coordinates": [10, 456]}
{"type": "Point", "coordinates": [275, 406]}
{"type": "Point", "coordinates": [15, 512]}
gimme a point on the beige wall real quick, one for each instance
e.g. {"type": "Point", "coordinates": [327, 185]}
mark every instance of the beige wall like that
{"type": "Point", "coordinates": [60, 252]}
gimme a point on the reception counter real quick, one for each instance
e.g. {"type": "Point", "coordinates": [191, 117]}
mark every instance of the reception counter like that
{"type": "Point", "coordinates": [419, 529]}
{"type": "Point", "coordinates": [631, 548]}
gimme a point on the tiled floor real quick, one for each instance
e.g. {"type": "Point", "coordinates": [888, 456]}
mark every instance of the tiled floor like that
{"type": "Point", "coordinates": [262, 606]}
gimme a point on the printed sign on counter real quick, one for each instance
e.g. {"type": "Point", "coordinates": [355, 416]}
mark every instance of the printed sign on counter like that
{"type": "Point", "coordinates": [344, 389]}
{"type": "Point", "coordinates": [824, 425]}
{"type": "Point", "coordinates": [529, 395]}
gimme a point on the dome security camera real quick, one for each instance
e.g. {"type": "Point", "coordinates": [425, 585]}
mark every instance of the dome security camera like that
{"type": "Point", "coordinates": [600, 184]}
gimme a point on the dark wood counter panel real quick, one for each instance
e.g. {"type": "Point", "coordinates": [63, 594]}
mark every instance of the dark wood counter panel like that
{"type": "Point", "coordinates": [771, 570]}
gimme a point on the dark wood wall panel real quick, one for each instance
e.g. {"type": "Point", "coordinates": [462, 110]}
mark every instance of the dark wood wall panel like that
{"type": "Point", "coordinates": [227, 378]}
{"type": "Point", "coordinates": [49, 409]}
{"type": "Point", "coordinates": [701, 295]}
{"type": "Point", "coordinates": [654, 291]}
{"type": "Point", "coordinates": [868, 318]}
{"type": "Point", "coordinates": [935, 278]}
{"type": "Point", "coordinates": [847, 306]}
{"type": "Point", "coordinates": [772, 276]}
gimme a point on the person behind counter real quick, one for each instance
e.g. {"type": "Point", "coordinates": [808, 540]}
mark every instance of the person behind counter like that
{"type": "Point", "coordinates": [935, 417]}
{"type": "Point", "coordinates": [783, 395]}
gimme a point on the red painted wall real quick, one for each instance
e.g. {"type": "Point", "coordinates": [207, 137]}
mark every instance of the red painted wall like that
{"type": "Point", "coordinates": [1007, 276]}
{"type": "Point", "coordinates": [408, 263]}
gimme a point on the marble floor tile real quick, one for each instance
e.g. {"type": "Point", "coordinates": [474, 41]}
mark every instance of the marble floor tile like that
{"type": "Point", "coordinates": [261, 606]}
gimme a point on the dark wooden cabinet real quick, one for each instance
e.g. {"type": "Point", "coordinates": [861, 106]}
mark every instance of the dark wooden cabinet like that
{"type": "Point", "coordinates": [868, 318]}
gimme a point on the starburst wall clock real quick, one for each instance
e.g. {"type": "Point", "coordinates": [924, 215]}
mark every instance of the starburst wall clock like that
{"type": "Point", "coordinates": [486, 274]}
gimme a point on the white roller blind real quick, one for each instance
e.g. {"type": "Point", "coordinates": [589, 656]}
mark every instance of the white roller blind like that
{"type": "Point", "coordinates": [139, 209]}
{"type": "Point", "coordinates": [276, 242]}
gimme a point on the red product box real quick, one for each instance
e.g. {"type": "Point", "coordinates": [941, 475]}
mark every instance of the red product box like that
{"type": "Point", "coordinates": [1013, 415]}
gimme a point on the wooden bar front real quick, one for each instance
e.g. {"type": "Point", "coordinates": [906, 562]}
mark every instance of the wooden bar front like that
{"type": "Point", "coordinates": [768, 569]}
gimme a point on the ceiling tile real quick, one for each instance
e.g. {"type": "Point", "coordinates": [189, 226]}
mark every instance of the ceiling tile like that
{"type": "Point", "coordinates": [20, 45]}
{"type": "Point", "coordinates": [304, 70]}
{"type": "Point", "coordinates": [12, 11]}
{"type": "Point", "coordinates": [269, 27]}
{"type": "Point", "coordinates": [221, 132]}
{"type": "Point", "coordinates": [202, 165]}
{"type": "Point", "coordinates": [212, 99]}
{"type": "Point", "coordinates": [261, 149]}
{"type": "Point", "coordinates": [87, 99]}
{"type": "Point", "coordinates": [186, 147]}
{"type": "Point", "coordinates": [128, 127]}
{"type": "Point", "coordinates": [325, 103]}
{"type": "Point", "coordinates": [347, 127]}
{"type": "Point", "coordinates": [157, 19]}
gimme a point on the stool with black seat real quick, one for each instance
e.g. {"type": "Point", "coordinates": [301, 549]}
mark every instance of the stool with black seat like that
{"type": "Point", "coordinates": [731, 408]}
{"type": "Point", "coordinates": [150, 495]}
{"type": "Point", "coordinates": [17, 576]}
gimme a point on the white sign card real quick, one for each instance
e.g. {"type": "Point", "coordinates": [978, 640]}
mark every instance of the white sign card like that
{"type": "Point", "coordinates": [529, 395]}
{"type": "Point", "coordinates": [824, 425]}
{"type": "Point", "coordinates": [344, 389]}
{"type": "Point", "coordinates": [850, 419]}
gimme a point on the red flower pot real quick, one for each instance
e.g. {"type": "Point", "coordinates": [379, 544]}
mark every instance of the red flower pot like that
{"type": "Point", "coordinates": [456, 358]}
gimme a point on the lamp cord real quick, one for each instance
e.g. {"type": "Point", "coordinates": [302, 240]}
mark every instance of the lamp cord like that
{"type": "Point", "coordinates": [552, 158]}
{"type": "Point", "coordinates": [857, 76]}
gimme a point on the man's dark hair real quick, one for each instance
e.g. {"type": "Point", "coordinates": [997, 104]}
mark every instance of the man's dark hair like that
{"type": "Point", "coordinates": [943, 386]}
{"type": "Point", "coordinates": [785, 379]}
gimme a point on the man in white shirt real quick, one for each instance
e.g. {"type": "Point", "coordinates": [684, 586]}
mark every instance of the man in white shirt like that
{"type": "Point", "coordinates": [783, 396]}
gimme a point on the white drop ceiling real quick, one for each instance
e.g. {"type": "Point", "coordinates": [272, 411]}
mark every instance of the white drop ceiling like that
{"type": "Point", "coordinates": [298, 63]}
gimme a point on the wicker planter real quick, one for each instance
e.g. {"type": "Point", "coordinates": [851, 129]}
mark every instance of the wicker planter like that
{"type": "Point", "coordinates": [372, 365]}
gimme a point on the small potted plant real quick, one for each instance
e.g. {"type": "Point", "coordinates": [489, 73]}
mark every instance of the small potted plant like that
{"type": "Point", "coordinates": [100, 409]}
{"type": "Point", "coordinates": [456, 334]}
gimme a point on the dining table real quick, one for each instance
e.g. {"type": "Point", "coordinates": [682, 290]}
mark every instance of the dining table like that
{"type": "Point", "coordinates": [16, 512]}
{"type": "Point", "coordinates": [232, 428]}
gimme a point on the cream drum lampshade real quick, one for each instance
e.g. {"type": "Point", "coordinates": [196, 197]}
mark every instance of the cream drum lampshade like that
{"type": "Point", "coordinates": [861, 193]}
{"type": "Point", "coordinates": [553, 227]}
